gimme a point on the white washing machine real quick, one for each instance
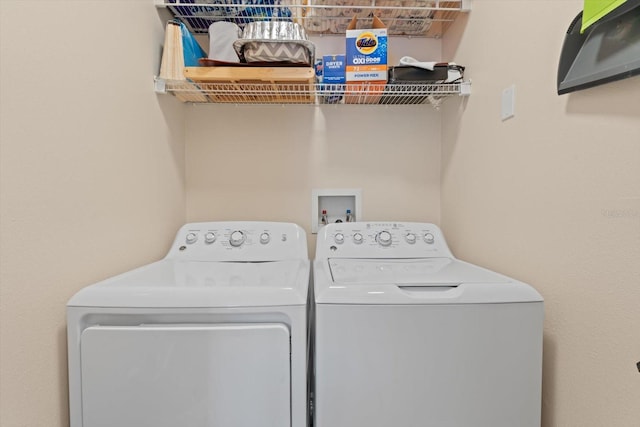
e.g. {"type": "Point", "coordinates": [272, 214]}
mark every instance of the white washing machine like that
{"type": "Point", "coordinates": [213, 335]}
{"type": "Point", "coordinates": [406, 335]}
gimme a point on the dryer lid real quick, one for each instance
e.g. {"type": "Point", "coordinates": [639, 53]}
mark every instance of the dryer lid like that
{"type": "Point", "coordinates": [173, 284]}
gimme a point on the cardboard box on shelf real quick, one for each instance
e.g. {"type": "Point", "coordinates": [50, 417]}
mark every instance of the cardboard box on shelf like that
{"type": "Point", "coordinates": [333, 69]}
{"type": "Point", "coordinates": [366, 62]}
{"type": "Point", "coordinates": [332, 89]}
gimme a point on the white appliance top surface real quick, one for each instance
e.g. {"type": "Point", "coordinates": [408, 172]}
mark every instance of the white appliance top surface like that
{"type": "Point", "coordinates": [403, 263]}
{"type": "Point", "coordinates": [171, 283]}
{"type": "Point", "coordinates": [215, 264]}
{"type": "Point", "coordinates": [421, 271]}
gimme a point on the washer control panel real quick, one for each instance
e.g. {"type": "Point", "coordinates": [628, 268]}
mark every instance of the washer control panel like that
{"type": "Point", "coordinates": [240, 241]}
{"type": "Point", "coordinates": [381, 239]}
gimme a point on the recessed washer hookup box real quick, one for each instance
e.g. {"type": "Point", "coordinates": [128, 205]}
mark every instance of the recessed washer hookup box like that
{"type": "Point", "coordinates": [366, 61]}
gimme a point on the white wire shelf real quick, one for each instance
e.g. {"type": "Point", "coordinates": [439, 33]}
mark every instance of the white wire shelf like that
{"type": "Point", "coordinates": [419, 18]}
{"type": "Point", "coordinates": [312, 93]}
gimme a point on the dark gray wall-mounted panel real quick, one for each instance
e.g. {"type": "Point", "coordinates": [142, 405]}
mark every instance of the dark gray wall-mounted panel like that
{"type": "Point", "coordinates": [607, 51]}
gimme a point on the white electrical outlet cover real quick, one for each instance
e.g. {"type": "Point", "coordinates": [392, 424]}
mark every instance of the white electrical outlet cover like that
{"type": "Point", "coordinates": [508, 102]}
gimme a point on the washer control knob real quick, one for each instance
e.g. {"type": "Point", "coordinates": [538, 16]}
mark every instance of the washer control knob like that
{"type": "Point", "coordinates": [237, 238]}
{"type": "Point", "coordinates": [358, 239]}
{"type": "Point", "coordinates": [191, 238]}
{"type": "Point", "coordinates": [429, 238]}
{"type": "Point", "coordinates": [384, 238]}
{"type": "Point", "coordinates": [265, 238]}
{"type": "Point", "coordinates": [410, 238]}
{"type": "Point", "coordinates": [339, 238]}
{"type": "Point", "coordinates": [210, 237]}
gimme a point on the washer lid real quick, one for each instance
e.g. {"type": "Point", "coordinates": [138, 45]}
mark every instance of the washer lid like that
{"type": "Point", "coordinates": [172, 284]}
{"type": "Point", "coordinates": [409, 271]}
{"type": "Point", "coordinates": [414, 281]}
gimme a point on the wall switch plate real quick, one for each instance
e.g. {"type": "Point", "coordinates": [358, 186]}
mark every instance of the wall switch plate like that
{"type": "Point", "coordinates": [508, 102]}
{"type": "Point", "coordinates": [335, 202]}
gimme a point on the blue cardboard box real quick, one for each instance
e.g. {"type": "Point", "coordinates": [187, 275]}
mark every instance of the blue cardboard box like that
{"type": "Point", "coordinates": [333, 77]}
{"type": "Point", "coordinates": [333, 69]}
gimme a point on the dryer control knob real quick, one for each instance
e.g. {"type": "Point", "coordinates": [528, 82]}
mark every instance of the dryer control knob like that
{"type": "Point", "coordinates": [339, 238]}
{"type": "Point", "coordinates": [410, 238]}
{"type": "Point", "coordinates": [210, 237]}
{"type": "Point", "coordinates": [429, 238]}
{"type": "Point", "coordinates": [265, 238]}
{"type": "Point", "coordinates": [191, 238]}
{"type": "Point", "coordinates": [384, 238]}
{"type": "Point", "coordinates": [237, 238]}
{"type": "Point", "coordinates": [357, 238]}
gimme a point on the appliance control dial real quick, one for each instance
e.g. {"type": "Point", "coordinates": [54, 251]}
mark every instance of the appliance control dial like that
{"type": "Point", "coordinates": [410, 238]}
{"type": "Point", "coordinates": [237, 238]}
{"type": "Point", "coordinates": [339, 238]}
{"type": "Point", "coordinates": [210, 237]}
{"type": "Point", "coordinates": [357, 238]}
{"type": "Point", "coordinates": [191, 238]}
{"type": "Point", "coordinates": [265, 238]}
{"type": "Point", "coordinates": [429, 238]}
{"type": "Point", "coordinates": [384, 238]}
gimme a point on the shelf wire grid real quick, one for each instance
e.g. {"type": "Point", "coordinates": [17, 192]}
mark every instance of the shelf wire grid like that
{"type": "Point", "coordinates": [428, 18]}
{"type": "Point", "coordinates": [315, 93]}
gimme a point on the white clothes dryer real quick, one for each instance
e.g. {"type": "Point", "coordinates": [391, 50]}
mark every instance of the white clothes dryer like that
{"type": "Point", "coordinates": [214, 334]}
{"type": "Point", "coordinates": [406, 335]}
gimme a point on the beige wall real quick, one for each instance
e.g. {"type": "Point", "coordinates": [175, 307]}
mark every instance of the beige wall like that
{"type": "Point", "coordinates": [262, 162]}
{"type": "Point", "coordinates": [91, 177]}
{"type": "Point", "coordinates": [551, 197]}
{"type": "Point", "coordinates": [92, 182]}
{"type": "Point", "coordinates": [254, 162]}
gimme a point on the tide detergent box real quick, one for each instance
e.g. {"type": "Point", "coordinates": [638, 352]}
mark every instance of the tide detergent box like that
{"type": "Point", "coordinates": [366, 62]}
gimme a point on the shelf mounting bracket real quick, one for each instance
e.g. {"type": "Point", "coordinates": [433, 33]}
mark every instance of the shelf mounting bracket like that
{"type": "Point", "coordinates": [159, 85]}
